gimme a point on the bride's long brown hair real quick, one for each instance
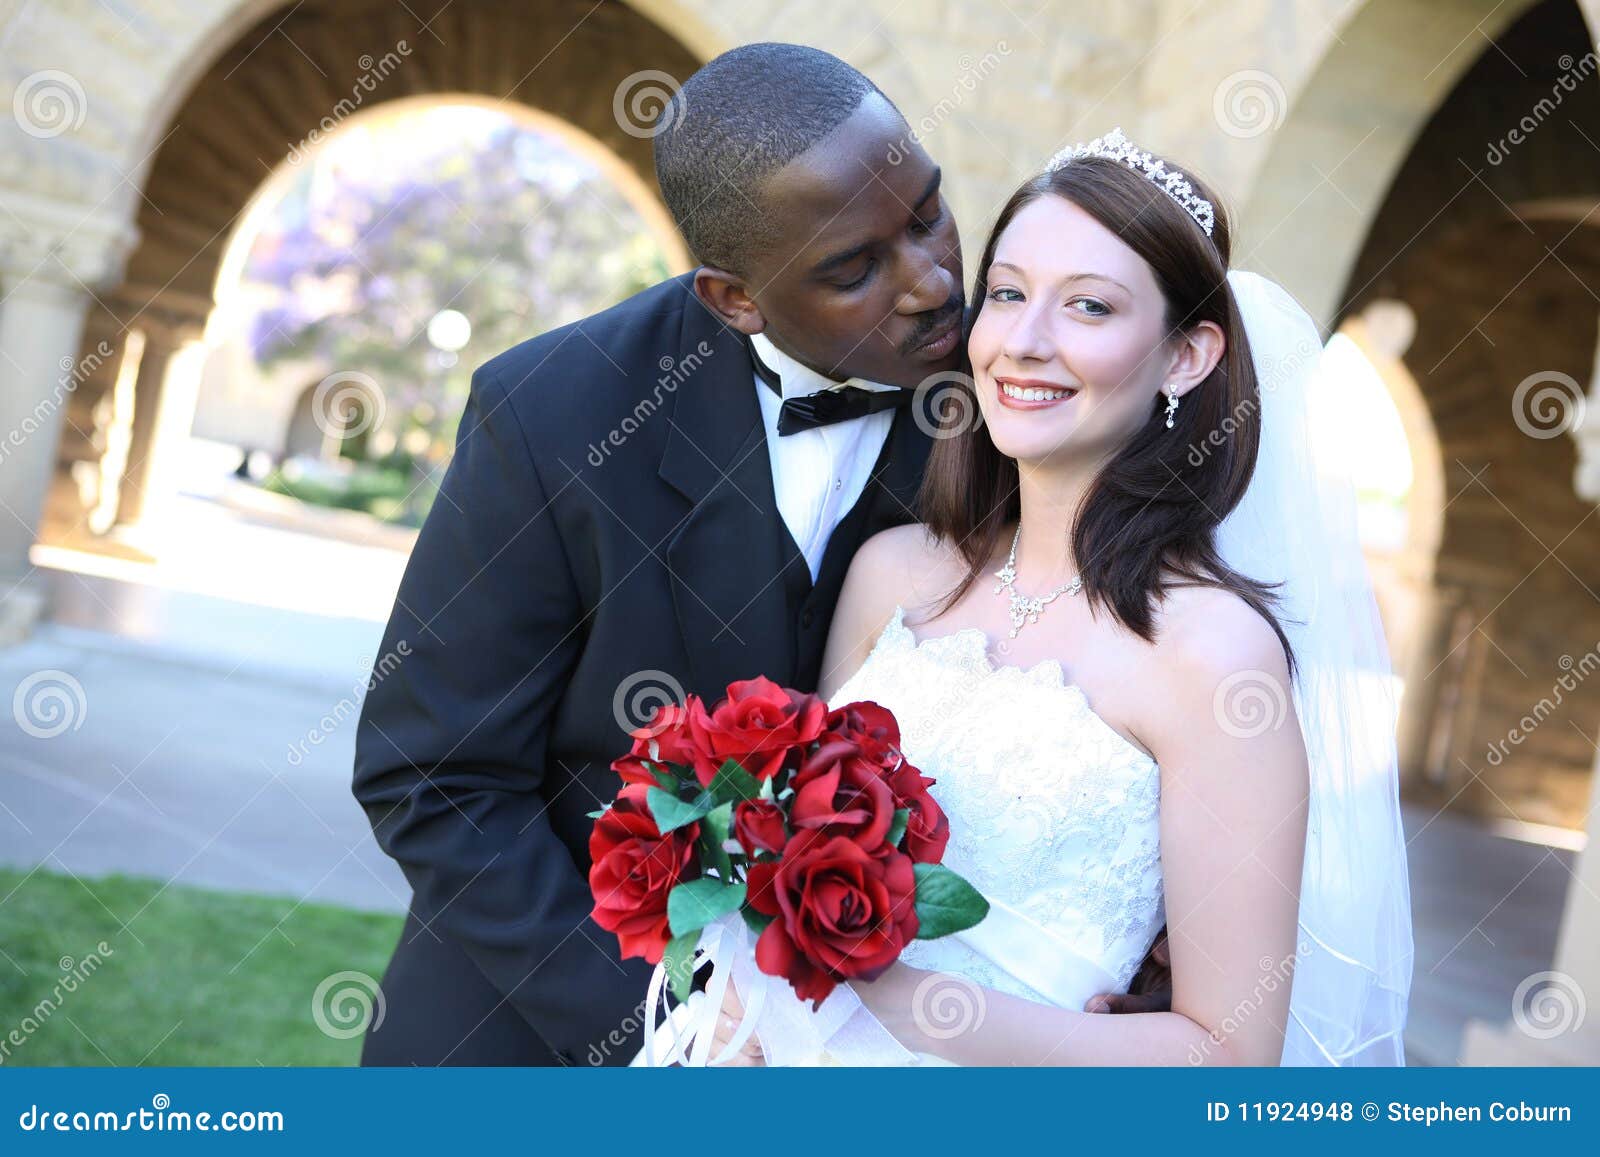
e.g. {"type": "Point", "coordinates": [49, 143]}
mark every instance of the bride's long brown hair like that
{"type": "Point", "coordinates": [1147, 523]}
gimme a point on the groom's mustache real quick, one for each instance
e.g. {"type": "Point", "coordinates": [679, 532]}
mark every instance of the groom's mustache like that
{"type": "Point", "coordinates": [931, 323]}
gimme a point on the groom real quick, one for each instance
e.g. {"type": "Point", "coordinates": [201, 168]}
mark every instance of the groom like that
{"type": "Point", "coordinates": [644, 504]}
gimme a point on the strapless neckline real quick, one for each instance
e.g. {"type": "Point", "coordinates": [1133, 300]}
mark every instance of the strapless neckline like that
{"type": "Point", "coordinates": [970, 647]}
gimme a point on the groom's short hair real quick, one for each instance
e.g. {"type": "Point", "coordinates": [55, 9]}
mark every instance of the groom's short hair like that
{"type": "Point", "coordinates": [734, 123]}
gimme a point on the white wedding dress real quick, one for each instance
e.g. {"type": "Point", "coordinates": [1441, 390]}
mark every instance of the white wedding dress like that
{"type": "Point", "coordinates": [1054, 818]}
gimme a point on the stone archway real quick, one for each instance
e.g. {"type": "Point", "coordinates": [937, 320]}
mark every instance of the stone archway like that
{"type": "Point", "coordinates": [1483, 245]}
{"type": "Point", "coordinates": [259, 86]}
{"type": "Point", "coordinates": [1319, 180]}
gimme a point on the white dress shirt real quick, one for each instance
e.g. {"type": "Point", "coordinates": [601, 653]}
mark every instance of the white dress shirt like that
{"type": "Point", "coordinates": [817, 474]}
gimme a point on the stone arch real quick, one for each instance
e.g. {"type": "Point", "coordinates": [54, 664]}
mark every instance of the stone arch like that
{"type": "Point", "coordinates": [334, 415]}
{"type": "Point", "coordinates": [639, 192]}
{"type": "Point", "coordinates": [290, 79]}
{"type": "Point", "coordinates": [1328, 167]}
{"type": "Point", "coordinates": [1483, 243]}
{"type": "Point", "coordinates": [264, 83]}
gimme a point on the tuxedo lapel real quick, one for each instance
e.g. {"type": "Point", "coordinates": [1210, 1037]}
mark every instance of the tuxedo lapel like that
{"type": "Point", "coordinates": [727, 556]}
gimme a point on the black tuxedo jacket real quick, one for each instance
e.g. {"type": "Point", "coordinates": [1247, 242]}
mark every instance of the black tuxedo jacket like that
{"type": "Point", "coordinates": [607, 526]}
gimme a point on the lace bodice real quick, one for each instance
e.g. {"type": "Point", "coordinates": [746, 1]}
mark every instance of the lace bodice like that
{"type": "Point", "coordinates": [1051, 810]}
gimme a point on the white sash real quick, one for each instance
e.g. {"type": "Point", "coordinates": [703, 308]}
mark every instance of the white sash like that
{"type": "Point", "coordinates": [1038, 957]}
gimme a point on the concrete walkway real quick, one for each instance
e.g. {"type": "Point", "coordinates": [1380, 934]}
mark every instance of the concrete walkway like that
{"type": "Point", "coordinates": [162, 732]}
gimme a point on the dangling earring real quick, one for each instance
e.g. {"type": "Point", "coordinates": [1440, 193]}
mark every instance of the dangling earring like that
{"type": "Point", "coordinates": [1172, 403]}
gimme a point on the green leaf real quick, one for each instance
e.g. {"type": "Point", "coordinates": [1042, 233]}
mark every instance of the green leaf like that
{"type": "Point", "coordinates": [757, 921]}
{"type": "Point", "coordinates": [679, 959]}
{"type": "Point", "coordinates": [691, 906]}
{"type": "Point", "coordinates": [897, 830]}
{"type": "Point", "coordinates": [733, 782]}
{"type": "Point", "coordinates": [664, 777]}
{"type": "Point", "coordinates": [713, 833]}
{"type": "Point", "coordinates": [946, 903]}
{"type": "Point", "coordinates": [594, 815]}
{"type": "Point", "coordinates": [670, 812]}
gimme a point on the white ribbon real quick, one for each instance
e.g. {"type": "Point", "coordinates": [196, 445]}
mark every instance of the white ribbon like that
{"type": "Point", "coordinates": [690, 1029]}
{"type": "Point", "coordinates": [842, 1031]}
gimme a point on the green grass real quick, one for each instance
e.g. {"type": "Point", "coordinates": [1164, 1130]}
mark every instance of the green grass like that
{"type": "Point", "coordinates": [386, 494]}
{"type": "Point", "coordinates": [195, 978]}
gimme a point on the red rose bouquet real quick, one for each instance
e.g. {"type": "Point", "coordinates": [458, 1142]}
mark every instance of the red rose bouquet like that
{"type": "Point", "coordinates": [809, 823]}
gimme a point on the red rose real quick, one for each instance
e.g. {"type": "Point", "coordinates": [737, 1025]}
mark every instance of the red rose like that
{"type": "Point", "coordinates": [758, 825]}
{"type": "Point", "coordinates": [838, 792]}
{"type": "Point", "coordinates": [664, 739]}
{"type": "Point", "coordinates": [758, 725]}
{"type": "Point", "coordinates": [927, 827]}
{"type": "Point", "coordinates": [633, 867]}
{"type": "Point", "coordinates": [871, 728]}
{"type": "Point", "coordinates": [840, 913]}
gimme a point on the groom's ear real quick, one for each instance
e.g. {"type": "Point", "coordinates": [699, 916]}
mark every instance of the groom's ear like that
{"type": "Point", "coordinates": [725, 295]}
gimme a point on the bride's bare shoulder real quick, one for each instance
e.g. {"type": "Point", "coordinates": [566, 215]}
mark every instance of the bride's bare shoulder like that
{"type": "Point", "coordinates": [1213, 631]}
{"type": "Point", "coordinates": [905, 557]}
{"type": "Point", "coordinates": [904, 566]}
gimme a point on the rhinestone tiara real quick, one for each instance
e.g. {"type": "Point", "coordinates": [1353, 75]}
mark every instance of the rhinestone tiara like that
{"type": "Point", "coordinates": [1116, 147]}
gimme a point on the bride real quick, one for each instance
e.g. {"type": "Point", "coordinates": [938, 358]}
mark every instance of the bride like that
{"type": "Point", "coordinates": [1134, 643]}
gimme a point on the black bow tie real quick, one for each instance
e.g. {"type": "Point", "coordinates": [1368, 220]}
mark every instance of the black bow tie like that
{"type": "Point", "coordinates": [827, 406]}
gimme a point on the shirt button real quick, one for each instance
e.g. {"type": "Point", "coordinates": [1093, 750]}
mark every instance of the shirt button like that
{"type": "Point", "coordinates": [838, 483]}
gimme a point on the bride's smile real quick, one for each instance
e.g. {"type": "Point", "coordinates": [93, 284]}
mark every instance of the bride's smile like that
{"type": "Point", "coordinates": [1031, 393]}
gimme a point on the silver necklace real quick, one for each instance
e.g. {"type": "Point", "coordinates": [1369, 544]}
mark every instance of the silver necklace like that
{"type": "Point", "coordinates": [1023, 609]}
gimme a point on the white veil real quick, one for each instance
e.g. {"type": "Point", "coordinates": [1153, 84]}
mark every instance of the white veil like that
{"type": "Point", "coordinates": [1297, 525]}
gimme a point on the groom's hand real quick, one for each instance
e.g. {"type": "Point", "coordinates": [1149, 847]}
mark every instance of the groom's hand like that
{"type": "Point", "coordinates": [1151, 990]}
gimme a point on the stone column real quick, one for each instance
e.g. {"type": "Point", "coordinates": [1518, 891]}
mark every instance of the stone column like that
{"type": "Point", "coordinates": [1552, 1022]}
{"type": "Point", "coordinates": [165, 337]}
{"type": "Point", "coordinates": [48, 267]}
{"type": "Point", "coordinates": [1583, 423]}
